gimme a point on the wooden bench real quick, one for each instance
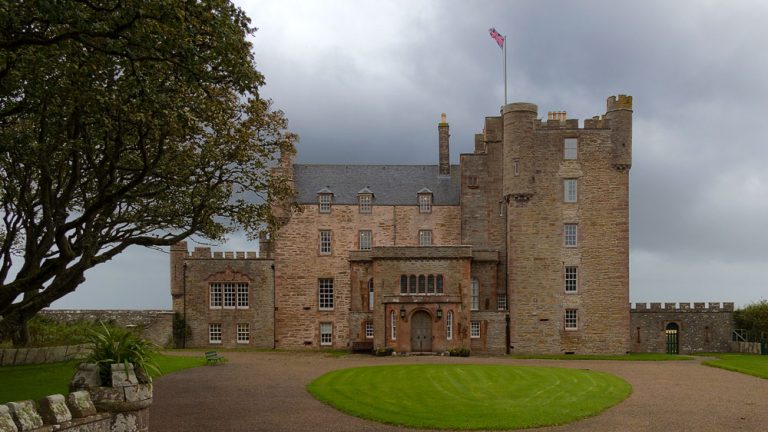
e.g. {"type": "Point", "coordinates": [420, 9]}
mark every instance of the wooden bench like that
{"type": "Point", "coordinates": [362, 347]}
{"type": "Point", "coordinates": [213, 357]}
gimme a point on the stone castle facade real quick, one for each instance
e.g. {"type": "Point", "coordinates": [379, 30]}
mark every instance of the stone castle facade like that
{"type": "Point", "coordinates": [522, 247]}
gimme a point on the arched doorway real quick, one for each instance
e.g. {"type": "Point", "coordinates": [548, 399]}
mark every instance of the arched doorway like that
{"type": "Point", "coordinates": [421, 332]}
{"type": "Point", "coordinates": [673, 338]}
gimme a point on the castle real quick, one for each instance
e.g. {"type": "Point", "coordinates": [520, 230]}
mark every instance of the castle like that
{"type": "Point", "coordinates": [522, 247]}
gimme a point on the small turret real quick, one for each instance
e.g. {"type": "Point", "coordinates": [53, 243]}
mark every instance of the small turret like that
{"type": "Point", "coordinates": [619, 114]}
{"type": "Point", "coordinates": [519, 153]}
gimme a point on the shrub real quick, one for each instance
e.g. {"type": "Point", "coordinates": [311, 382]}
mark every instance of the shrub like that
{"type": "Point", "coordinates": [459, 352]}
{"type": "Point", "coordinates": [753, 317]}
{"type": "Point", "coordinates": [118, 345]}
{"type": "Point", "coordinates": [382, 352]}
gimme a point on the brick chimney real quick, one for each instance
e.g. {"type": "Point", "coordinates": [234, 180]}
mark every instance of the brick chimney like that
{"type": "Point", "coordinates": [445, 156]}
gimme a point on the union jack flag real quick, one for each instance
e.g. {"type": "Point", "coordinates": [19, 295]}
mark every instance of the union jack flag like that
{"type": "Point", "coordinates": [497, 37]}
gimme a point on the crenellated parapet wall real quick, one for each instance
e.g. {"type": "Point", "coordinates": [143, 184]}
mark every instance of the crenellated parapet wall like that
{"type": "Point", "coordinates": [682, 307]}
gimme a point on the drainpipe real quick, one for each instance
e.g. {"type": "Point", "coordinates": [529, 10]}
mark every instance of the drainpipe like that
{"type": "Point", "coordinates": [274, 308]}
{"type": "Point", "coordinates": [184, 304]}
{"type": "Point", "coordinates": [506, 271]}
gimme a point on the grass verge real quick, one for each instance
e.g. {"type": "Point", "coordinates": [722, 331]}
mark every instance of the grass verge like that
{"type": "Point", "coordinates": [625, 357]}
{"type": "Point", "coordinates": [35, 381]}
{"type": "Point", "coordinates": [750, 364]}
{"type": "Point", "coordinates": [465, 396]}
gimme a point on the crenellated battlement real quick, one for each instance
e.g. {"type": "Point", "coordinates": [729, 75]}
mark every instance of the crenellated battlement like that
{"type": "Point", "coordinates": [622, 102]}
{"type": "Point", "coordinates": [682, 307]}
{"type": "Point", "coordinates": [204, 252]}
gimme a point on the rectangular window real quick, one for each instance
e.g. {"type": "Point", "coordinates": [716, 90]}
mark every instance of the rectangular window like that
{"type": "Point", "coordinates": [569, 190]}
{"type": "Point", "coordinates": [472, 182]}
{"type": "Point", "coordinates": [571, 319]}
{"type": "Point", "coordinates": [326, 333]}
{"type": "Point", "coordinates": [501, 301]}
{"type": "Point", "coordinates": [215, 296]}
{"type": "Point", "coordinates": [425, 203]}
{"type": "Point", "coordinates": [570, 233]}
{"type": "Point", "coordinates": [214, 333]}
{"type": "Point", "coordinates": [425, 237]}
{"type": "Point", "coordinates": [517, 167]}
{"type": "Point", "coordinates": [449, 325]}
{"type": "Point", "coordinates": [368, 330]}
{"type": "Point", "coordinates": [474, 329]}
{"type": "Point", "coordinates": [570, 148]}
{"type": "Point", "coordinates": [242, 296]}
{"type": "Point", "coordinates": [392, 325]}
{"type": "Point", "coordinates": [324, 201]}
{"type": "Point", "coordinates": [571, 278]}
{"type": "Point", "coordinates": [325, 242]}
{"type": "Point", "coordinates": [243, 333]}
{"type": "Point", "coordinates": [325, 294]}
{"type": "Point", "coordinates": [364, 203]}
{"type": "Point", "coordinates": [229, 295]}
{"type": "Point", "coordinates": [365, 240]}
{"type": "Point", "coordinates": [474, 295]}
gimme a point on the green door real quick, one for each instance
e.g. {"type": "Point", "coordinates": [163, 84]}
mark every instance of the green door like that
{"type": "Point", "coordinates": [673, 342]}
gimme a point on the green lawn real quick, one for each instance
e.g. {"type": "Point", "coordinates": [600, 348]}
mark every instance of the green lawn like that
{"type": "Point", "coordinates": [750, 364]}
{"type": "Point", "coordinates": [35, 381]}
{"type": "Point", "coordinates": [625, 357]}
{"type": "Point", "coordinates": [469, 396]}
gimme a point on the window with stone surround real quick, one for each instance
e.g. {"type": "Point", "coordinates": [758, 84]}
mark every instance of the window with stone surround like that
{"type": "Point", "coordinates": [370, 294]}
{"type": "Point", "coordinates": [392, 325]}
{"type": "Point", "coordinates": [570, 187]}
{"type": "Point", "coordinates": [425, 203]}
{"type": "Point", "coordinates": [430, 284]}
{"type": "Point", "coordinates": [501, 301]}
{"type": "Point", "coordinates": [421, 284]}
{"type": "Point", "coordinates": [324, 202]}
{"type": "Point", "coordinates": [369, 329]}
{"type": "Point", "coordinates": [215, 296]}
{"type": "Point", "coordinates": [214, 333]}
{"type": "Point", "coordinates": [412, 284]}
{"type": "Point", "coordinates": [449, 325]}
{"type": "Point", "coordinates": [570, 231]}
{"type": "Point", "coordinates": [242, 296]}
{"type": "Point", "coordinates": [364, 203]}
{"type": "Point", "coordinates": [425, 237]}
{"type": "Point", "coordinates": [516, 163]}
{"type": "Point", "coordinates": [243, 333]}
{"type": "Point", "coordinates": [228, 295]}
{"type": "Point", "coordinates": [325, 294]}
{"type": "Point", "coordinates": [325, 242]}
{"type": "Point", "coordinates": [472, 182]}
{"type": "Point", "coordinates": [403, 284]}
{"type": "Point", "coordinates": [571, 279]}
{"type": "Point", "coordinates": [474, 329]}
{"type": "Point", "coordinates": [365, 240]}
{"type": "Point", "coordinates": [326, 333]}
{"type": "Point", "coordinates": [571, 319]}
{"type": "Point", "coordinates": [475, 295]}
{"type": "Point", "coordinates": [439, 287]}
{"type": "Point", "coordinates": [570, 148]}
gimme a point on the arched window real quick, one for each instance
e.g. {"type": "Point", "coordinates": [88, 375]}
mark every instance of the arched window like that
{"type": "Point", "coordinates": [403, 284]}
{"type": "Point", "coordinates": [392, 325]}
{"type": "Point", "coordinates": [431, 284]}
{"type": "Point", "coordinates": [412, 284]}
{"type": "Point", "coordinates": [439, 284]}
{"type": "Point", "coordinates": [422, 284]}
{"type": "Point", "coordinates": [370, 294]}
{"type": "Point", "coordinates": [449, 325]}
{"type": "Point", "coordinates": [475, 295]}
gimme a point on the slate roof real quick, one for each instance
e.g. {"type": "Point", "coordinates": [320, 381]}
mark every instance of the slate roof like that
{"type": "Point", "coordinates": [390, 184]}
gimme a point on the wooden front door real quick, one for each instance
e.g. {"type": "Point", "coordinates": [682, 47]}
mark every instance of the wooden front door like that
{"type": "Point", "coordinates": [421, 332]}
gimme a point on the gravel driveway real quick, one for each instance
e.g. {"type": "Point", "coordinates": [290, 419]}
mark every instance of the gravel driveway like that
{"type": "Point", "coordinates": [265, 391]}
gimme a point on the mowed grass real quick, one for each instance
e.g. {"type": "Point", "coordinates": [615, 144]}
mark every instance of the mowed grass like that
{"type": "Point", "coordinates": [625, 357]}
{"type": "Point", "coordinates": [750, 364]}
{"type": "Point", "coordinates": [36, 381]}
{"type": "Point", "coordinates": [469, 396]}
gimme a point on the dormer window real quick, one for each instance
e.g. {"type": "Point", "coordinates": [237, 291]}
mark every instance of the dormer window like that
{"type": "Point", "coordinates": [324, 199]}
{"type": "Point", "coordinates": [365, 200]}
{"type": "Point", "coordinates": [425, 200]}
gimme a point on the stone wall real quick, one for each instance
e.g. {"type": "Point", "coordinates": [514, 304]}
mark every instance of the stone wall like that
{"type": "Point", "coordinates": [24, 356]}
{"type": "Point", "coordinates": [155, 325]}
{"type": "Point", "coordinates": [702, 327]}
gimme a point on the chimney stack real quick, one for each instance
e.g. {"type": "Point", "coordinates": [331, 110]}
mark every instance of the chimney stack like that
{"type": "Point", "coordinates": [445, 156]}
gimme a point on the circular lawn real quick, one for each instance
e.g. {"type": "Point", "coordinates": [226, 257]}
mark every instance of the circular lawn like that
{"type": "Point", "coordinates": [468, 396]}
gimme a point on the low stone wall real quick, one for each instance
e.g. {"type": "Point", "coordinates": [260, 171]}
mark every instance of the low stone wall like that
{"type": "Point", "coordinates": [746, 347]}
{"type": "Point", "coordinates": [25, 356]}
{"type": "Point", "coordinates": [156, 325]}
{"type": "Point", "coordinates": [123, 407]}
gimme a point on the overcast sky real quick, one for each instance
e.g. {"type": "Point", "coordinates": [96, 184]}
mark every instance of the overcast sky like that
{"type": "Point", "coordinates": [366, 81]}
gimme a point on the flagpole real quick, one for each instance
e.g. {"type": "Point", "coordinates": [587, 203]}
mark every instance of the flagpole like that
{"type": "Point", "coordinates": [505, 70]}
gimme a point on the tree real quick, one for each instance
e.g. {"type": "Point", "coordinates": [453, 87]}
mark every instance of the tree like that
{"type": "Point", "coordinates": [753, 317]}
{"type": "Point", "coordinates": [125, 122]}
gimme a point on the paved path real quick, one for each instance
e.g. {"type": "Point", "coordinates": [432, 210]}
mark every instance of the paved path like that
{"type": "Point", "coordinates": [266, 392]}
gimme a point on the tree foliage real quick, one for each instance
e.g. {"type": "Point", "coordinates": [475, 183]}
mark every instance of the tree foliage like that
{"type": "Point", "coordinates": [125, 122]}
{"type": "Point", "coordinates": [753, 317]}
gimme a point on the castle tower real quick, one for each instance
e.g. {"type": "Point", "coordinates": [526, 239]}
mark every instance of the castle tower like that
{"type": "Point", "coordinates": [619, 113]}
{"type": "Point", "coordinates": [519, 151]}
